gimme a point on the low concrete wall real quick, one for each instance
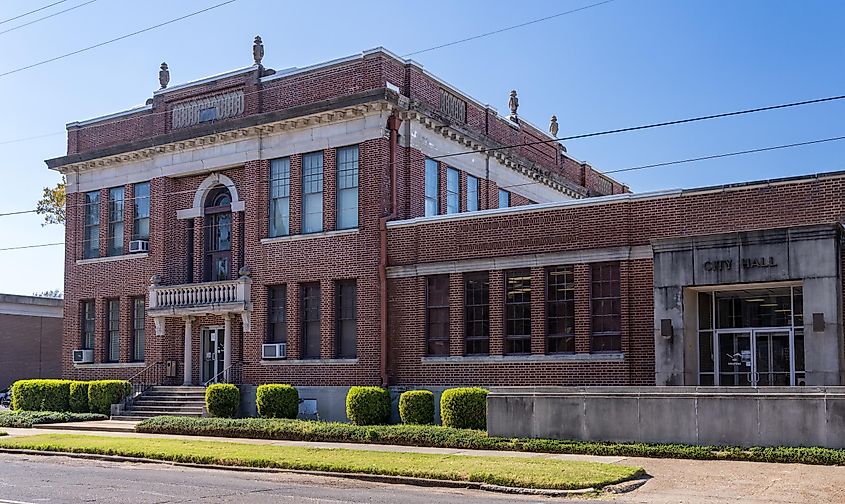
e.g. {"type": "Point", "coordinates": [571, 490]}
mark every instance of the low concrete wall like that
{"type": "Point", "coordinates": [706, 416]}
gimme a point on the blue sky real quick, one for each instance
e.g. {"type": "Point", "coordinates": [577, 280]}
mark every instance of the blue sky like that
{"type": "Point", "coordinates": [624, 63]}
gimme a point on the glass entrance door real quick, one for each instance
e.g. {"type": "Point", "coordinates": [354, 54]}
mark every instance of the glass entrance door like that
{"type": "Point", "coordinates": [735, 359]}
{"type": "Point", "coordinates": [212, 353]}
{"type": "Point", "coordinates": [756, 357]}
{"type": "Point", "coordinates": [773, 358]}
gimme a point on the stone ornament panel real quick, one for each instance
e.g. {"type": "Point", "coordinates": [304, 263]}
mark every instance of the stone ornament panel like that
{"type": "Point", "coordinates": [227, 105]}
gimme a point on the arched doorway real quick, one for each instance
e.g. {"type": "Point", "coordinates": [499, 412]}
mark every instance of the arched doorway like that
{"type": "Point", "coordinates": [217, 253]}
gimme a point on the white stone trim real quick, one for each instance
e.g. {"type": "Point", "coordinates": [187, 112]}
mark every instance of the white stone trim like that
{"type": "Point", "coordinates": [539, 358]}
{"type": "Point", "coordinates": [205, 186]}
{"type": "Point", "coordinates": [308, 362]}
{"type": "Point", "coordinates": [110, 365]}
{"type": "Point", "coordinates": [31, 310]}
{"type": "Point", "coordinates": [522, 261]}
{"type": "Point", "coordinates": [309, 236]}
{"type": "Point", "coordinates": [124, 257]}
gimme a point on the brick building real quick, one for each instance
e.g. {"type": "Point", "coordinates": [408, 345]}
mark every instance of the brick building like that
{"type": "Point", "coordinates": [30, 338]}
{"type": "Point", "coordinates": [361, 221]}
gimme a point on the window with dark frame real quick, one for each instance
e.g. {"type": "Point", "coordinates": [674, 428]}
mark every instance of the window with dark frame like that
{"type": "Point", "coordinates": [89, 324]}
{"type": "Point", "coordinates": [453, 191]}
{"type": "Point", "coordinates": [279, 197]}
{"type": "Point", "coordinates": [504, 199]}
{"type": "Point", "coordinates": [310, 307]}
{"type": "Point", "coordinates": [437, 315]}
{"type": "Point", "coordinates": [477, 313]}
{"type": "Point", "coordinates": [115, 230]}
{"type": "Point", "coordinates": [560, 310]}
{"type": "Point", "coordinates": [141, 202]}
{"type": "Point", "coordinates": [432, 188]}
{"type": "Point", "coordinates": [605, 308]}
{"type": "Point", "coordinates": [347, 326]}
{"type": "Point", "coordinates": [91, 240]}
{"type": "Point", "coordinates": [347, 187]}
{"type": "Point", "coordinates": [518, 312]}
{"type": "Point", "coordinates": [277, 327]}
{"type": "Point", "coordinates": [472, 194]}
{"type": "Point", "coordinates": [113, 314]}
{"type": "Point", "coordinates": [312, 192]}
{"type": "Point", "coordinates": [138, 329]}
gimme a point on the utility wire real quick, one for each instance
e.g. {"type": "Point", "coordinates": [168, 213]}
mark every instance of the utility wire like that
{"type": "Point", "coordinates": [508, 28]}
{"type": "Point", "coordinates": [32, 246]}
{"type": "Point", "coordinates": [47, 17]}
{"type": "Point", "coordinates": [32, 11]}
{"type": "Point", "coordinates": [180, 18]}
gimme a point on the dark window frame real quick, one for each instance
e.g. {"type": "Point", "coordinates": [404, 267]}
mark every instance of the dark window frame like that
{"type": "Point", "coordinates": [91, 225]}
{"type": "Point", "coordinates": [431, 167]}
{"type": "Point", "coordinates": [139, 329]}
{"type": "Point", "coordinates": [453, 194]}
{"type": "Point", "coordinates": [217, 224]}
{"type": "Point", "coordinates": [476, 200]}
{"type": "Point", "coordinates": [113, 330]}
{"type": "Point", "coordinates": [279, 197]}
{"type": "Point", "coordinates": [141, 214]}
{"type": "Point", "coordinates": [560, 309]}
{"type": "Point", "coordinates": [277, 314]}
{"type": "Point", "coordinates": [312, 185]}
{"type": "Point", "coordinates": [310, 318]}
{"type": "Point", "coordinates": [517, 313]}
{"type": "Point", "coordinates": [437, 344]}
{"type": "Point", "coordinates": [116, 225]}
{"type": "Point", "coordinates": [347, 183]}
{"type": "Point", "coordinates": [477, 313]}
{"type": "Point", "coordinates": [346, 319]}
{"type": "Point", "coordinates": [605, 307]}
{"type": "Point", "coordinates": [88, 325]}
{"type": "Point", "coordinates": [507, 195]}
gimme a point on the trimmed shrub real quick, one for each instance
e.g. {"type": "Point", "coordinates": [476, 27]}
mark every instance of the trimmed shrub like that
{"type": "Point", "coordinates": [277, 401]}
{"type": "Point", "coordinates": [417, 407]}
{"type": "Point", "coordinates": [41, 395]}
{"type": "Point", "coordinates": [79, 397]}
{"type": "Point", "coordinates": [222, 400]}
{"type": "Point", "coordinates": [368, 405]}
{"type": "Point", "coordinates": [464, 408]}
{"type": "Point", "coordinates": [26, 419]}
{"type": "Point", "coordinates": [103, 393]}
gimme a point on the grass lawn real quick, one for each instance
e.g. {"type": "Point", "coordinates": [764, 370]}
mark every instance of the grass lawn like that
{"type": "Point", "coordinates": [507, 471]}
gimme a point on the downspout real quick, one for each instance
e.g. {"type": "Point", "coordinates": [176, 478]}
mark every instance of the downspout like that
{"type": "Point", "coordinates": [393, 123]}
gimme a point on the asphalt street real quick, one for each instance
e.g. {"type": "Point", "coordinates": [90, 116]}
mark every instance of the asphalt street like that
{"type": "Point", "coordinates": [30, 479]}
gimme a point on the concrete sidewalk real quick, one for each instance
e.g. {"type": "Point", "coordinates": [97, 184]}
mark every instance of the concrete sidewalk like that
{"type": "Point", "coordinates": [673, 481]}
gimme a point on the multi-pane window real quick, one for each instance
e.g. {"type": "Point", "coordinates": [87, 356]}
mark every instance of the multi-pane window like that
{"type": "Point", "coordinates": [477, 313]}
{"type": "Point", "coordinates": [113, 314]}
{"type": "Point", "coordinates": [280, 197]}
{"type": "Point", "coordinates": [453, 191]}
{"type": "Point", "coordinates": [277, 327]}
{"type": "Point", "coordinates": [437, 314]}
{"type": "Point", "coordinates": [472, 193]}
{"type": "Point", "coordinates": [346, 320]}
{"type": "Point", "coordinates": [138, 329]}
{"type": "Point", "coordinates": [310, 304]}
{"type": "Point", "coordinates": [91, 243]}
{"type": "Point", "coordinates": [560, 310]}
{"type": "Point", "coordinates": [347, 187]}
{"type": "Point", "coordinates": [141, 226]}
{"type": "Point", "coordinates": [89, 324]}
{"type": "Point", "coordinates": [606, 313]}
{"type": "Point", "coordinates": [504, 198]}
{"type": "Point", "coordinates": [432, 185]}
{"type": "Point", "coordinates": [312, 192]}
{"type": "Point", "coordinates": [518, 311]}
{"type": "Point", "coordinates": [115, 246]}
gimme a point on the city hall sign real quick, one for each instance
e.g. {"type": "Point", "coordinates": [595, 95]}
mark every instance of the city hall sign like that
{"type": "Point", "coordinates": [744, 263]}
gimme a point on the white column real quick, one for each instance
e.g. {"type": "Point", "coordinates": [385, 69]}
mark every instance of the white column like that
{"type": "Point", "coordinates": [189, 367]}
{"type": "Point", "coordinates": [227, 344]}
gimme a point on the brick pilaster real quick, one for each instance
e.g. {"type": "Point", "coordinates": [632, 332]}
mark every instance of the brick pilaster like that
{"type": "Point", "coordinates": [582, 308]}
{"type": "Point", "coordinates": [294, 320]}
{"type": "Point", "coordinates": [328, 317]}
{"type": "Point", "coordinates": [296, 194]}
{"type": "Point", "coordinates": [329, 189]}
{"type": "Point", "coordinates": [497, 312]}
{"type": "Point", "coordinates": [538, 310]}
{"type": "Point", "coordinates": [457, 345]}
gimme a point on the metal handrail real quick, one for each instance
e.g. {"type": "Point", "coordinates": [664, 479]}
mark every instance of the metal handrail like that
{"type": "Point", "coordinates": [147, 378]}
{"type": "Point", "coordinates": [230, 375]}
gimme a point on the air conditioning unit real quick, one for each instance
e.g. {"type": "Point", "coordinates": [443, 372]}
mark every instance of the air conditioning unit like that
{"type": "Point", "coordinates": [274, 350]}
{"type": "Point", "coordinates": [136, 246]}
{"type": "Point", "coordinates": [83, 356]}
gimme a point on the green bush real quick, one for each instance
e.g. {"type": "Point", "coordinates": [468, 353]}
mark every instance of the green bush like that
{"type": "Point", "coordinates": [368, 405]}
{"type": "Point", "coordinates": [277, 401]}
{"type": "Point", "coordinates": [103, 393]}
{"type": "Point", "coordinates": [417, 407]}
{"type": "Point", "coordinates": [26, 419]}
{"type": "Point", "coordinates": [222, 400]}
{"type": "Point", "coordinates": [41, 395]}
{"type": "Point", "coordinates": [79, 397]}
{"type": "Point", "coordinates": [464, 408]}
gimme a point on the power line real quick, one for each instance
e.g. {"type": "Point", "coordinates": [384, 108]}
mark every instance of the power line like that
{"type": "Point", "coordinates": [33, 65]}
{"type": "Point", "coordinates": [32, 246]}
{"type": "Point", "coordinates": [19, 212]}
{"type": "Point", "coordinates": [494, 32]}
{"type": "Point", "coordinates": [47, 17]}
{"type": "Point", "coordinates": [32, 11]}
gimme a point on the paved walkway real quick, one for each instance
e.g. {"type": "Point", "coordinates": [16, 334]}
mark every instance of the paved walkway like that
{"type": "Point", "coordinates": [673, 481]}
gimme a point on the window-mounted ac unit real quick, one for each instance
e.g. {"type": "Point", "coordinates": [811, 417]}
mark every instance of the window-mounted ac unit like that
{"type": "Point", "coordinates": [137, 246]}
{"type": "Point", "coordinates": [83, 356]}
{"type": "Point", "coordinates": [274, 350]}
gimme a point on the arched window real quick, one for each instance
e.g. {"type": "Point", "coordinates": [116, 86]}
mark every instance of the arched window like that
{"type": "Point", "coordinates": [218, 234]}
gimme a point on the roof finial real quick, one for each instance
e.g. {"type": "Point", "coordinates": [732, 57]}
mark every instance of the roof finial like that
{"type": "Point", "coordinates": [257, 50]}
{"type": "Point", "coordinates": [513, 103]}
{"type": "Point", "coordinates": [163, 75]}
{"type": "Point", "coordinates": [553, 127]}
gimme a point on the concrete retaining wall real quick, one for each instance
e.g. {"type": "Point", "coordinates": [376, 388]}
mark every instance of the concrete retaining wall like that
{"type": "Point", "coordinates": [706, 416]}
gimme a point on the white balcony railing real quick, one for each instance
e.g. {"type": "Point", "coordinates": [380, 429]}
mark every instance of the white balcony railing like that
{"type": "Point", "coordinates": [224, 297]}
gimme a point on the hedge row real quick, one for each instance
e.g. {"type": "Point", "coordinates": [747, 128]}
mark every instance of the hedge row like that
{"type": "Point", "coordinates": [66, 395]}
{"type": "Point", "coordinates": [445, 437]}
{"type": "Point", "coordinates": [26, 419]}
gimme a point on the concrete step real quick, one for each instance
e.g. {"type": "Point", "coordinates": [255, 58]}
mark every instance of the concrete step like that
{"type": "Point", "coordinates": [163, 411]}
{"type": "Point", "coordinates": [129, 419]}
{"type": "Point", "coordinates": [178, 388]}
{"type": "Point", "coordinates": [166, 404]}
{"type": "Point", "coordinates": [150, 414]}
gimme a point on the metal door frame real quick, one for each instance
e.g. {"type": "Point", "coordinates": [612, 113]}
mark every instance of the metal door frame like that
{"type": "Point", "coordinates": [754, 375]}
{"type": "Point", "coordinates": [220, 330]}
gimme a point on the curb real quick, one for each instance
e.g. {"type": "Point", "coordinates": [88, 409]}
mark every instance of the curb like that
{"type": "Point", "coordinates": [377, 478]}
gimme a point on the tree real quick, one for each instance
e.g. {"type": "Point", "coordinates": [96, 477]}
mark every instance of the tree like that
{"type": "Point", "coordinates": [55, 294]}
{"type": "Point", "coordinates": [52, 204]}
